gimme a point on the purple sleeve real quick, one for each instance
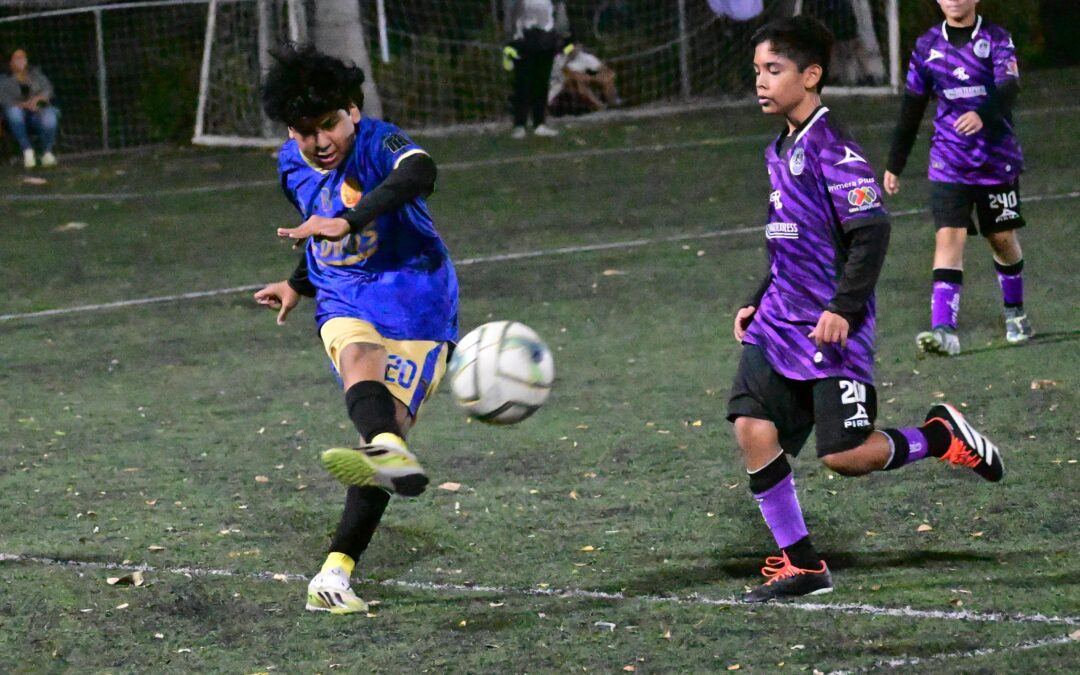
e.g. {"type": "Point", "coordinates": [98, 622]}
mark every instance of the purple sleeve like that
{"type": "Point", "coordinates": [852, 186]}
{"type": "Point", "coordinates": [1005, 65]}
{"type": "Point", "coordinates": [916, 76]}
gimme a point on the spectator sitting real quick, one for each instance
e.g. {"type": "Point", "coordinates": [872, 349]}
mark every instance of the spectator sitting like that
{"type": "Point", "coordinates": [581, 83]}
{"type": "Point", "coordinates": [25, 95]}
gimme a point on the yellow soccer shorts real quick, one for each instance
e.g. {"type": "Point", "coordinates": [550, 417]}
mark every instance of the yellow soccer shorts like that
{"type": "Point", "coordinates": [414, 368]}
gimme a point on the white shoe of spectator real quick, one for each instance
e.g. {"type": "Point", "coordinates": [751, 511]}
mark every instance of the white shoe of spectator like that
{"type": "Point", "coordinates": [28, 159]}
{"type": "Point", "coordinates": [518, 133]}
{"type": "Point", "coordinates": [48, 159]}
{"type": "Point", "coordinates": [545, 131]}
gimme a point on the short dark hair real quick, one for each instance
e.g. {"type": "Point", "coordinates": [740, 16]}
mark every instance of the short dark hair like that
{"type": "Point", "coordinates": [803, 39]}
{"type": "Point", "coordinates": [304, 83]}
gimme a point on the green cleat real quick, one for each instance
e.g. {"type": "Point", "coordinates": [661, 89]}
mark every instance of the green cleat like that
{"type": "Point", "coordinates": [384, 462]}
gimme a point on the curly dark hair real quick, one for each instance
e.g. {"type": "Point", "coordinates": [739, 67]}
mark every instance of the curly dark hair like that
{"type": "Point", "coordinates": [304, 83]}
{"type": "Point", "coordinates": [803, 39]}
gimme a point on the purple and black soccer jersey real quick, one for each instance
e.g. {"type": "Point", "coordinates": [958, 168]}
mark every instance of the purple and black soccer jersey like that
{"type": "Point", "coordinates": [962, 79]}
{"type": "Point", "coordinates": [822, 187]}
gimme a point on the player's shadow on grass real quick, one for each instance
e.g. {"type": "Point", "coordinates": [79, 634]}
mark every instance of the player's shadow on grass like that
{"type": "Point", "coordinates": [747, 566]}
{"type": "Point", "coordinates": [1053, 337]}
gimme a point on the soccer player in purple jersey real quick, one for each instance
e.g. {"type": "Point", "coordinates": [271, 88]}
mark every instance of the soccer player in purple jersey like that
{"type": "Point", "coordinates": [808, 331]}
{"type": "Point", "coordinates": [969, 65]}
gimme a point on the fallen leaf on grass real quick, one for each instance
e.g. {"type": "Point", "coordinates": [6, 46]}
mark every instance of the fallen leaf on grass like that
{"type": "Point", "coordinates": [588, 549]}
{"type": "Point", "coordinates": [666, 635]}
{"type": "Point", "coordinates": [34, 180]}
{"type": "Point", "coordinates": [262, 479]}
{"type": "Point", "coordinates": [450, 487]}
{"type": "Point", "coordinates": [573, 495]}
{"type": "Point", "coordinates": [154, 548]}
{"type": "Point", "coordinates": [1043, 384]}
{"type": "Point", "coordinates": [1075, 635]}
{"type": "Point", "coordinates": [923, 528]}
{"type": "Point", "coordinates": [283, 577]}
{"type": "Point", "coordinates": [629, 669]}
{"type": "Point", "coordinates": [734, 666]}
{"type": "Point", "coordinates": [613, 273]}
{"type": "Point", "coordinates": [123, 606]}
{"type": "Point", "coordinates": [133, 579]}
{"type": "Point", "coordinates": [604, 625]}
{"type": "Point", "coordinates": [71, 227]}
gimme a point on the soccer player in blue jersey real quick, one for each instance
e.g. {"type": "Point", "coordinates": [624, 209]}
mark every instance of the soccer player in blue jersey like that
{"type": "Point", "coordinates": [969, 66]}
{"type": "Point", "coordinates": [808, 331]}
{"type": "Point", "coordinates": [384, 286]}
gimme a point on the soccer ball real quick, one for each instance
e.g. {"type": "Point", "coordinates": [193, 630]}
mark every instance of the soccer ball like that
{"type": "Point", "coordinates": [501, 372]}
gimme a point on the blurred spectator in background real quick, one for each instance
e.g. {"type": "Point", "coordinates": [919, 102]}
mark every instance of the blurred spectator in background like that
{"type": "Point", "coordinates": [537, 30]}
{"type": "Point", "coordinates": [25, 96]}
{"type": "Point", "coordinates": [856, 57]}
{"type": "Point", "coordinates": [580, 83]}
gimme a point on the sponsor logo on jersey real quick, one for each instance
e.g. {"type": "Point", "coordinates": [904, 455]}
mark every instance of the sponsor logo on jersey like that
{"type": "Point", "coordinates": [781, 231]}
{"type": "Point", "coordinates": [1006, 214]}
{"type": "Point", "coordinates": [961, 74]}
{"type": "Point", "coordinates": [395, 142]}
{"type": "Point", "coordinates": [797, 162]}
{"type": "Point", "coordinates": [775, 199]}
{"type": "Point", "coordinates": [351, 192]}
{"type": "Point", "coordinates": [850, 157]}
{"type": "Point", "coordinates": [982, 48]}
{"type": "Point", "coordinates": [934, 55]}
{"type": "Point", "coordinates": [847, 185]}
{"type": "Point", "coordinates": [325, 200]}
{"type": "Point", "coordinates": [965, 92]}
{"type": "Point", "coordinates": [862, 198]}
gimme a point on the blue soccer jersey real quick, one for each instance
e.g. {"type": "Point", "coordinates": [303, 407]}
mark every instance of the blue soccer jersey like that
{"type": "Point", "coordinates": [962, 79]}
{"type": "Point", "coordinates": [823, 187]}
{"type": "Point", "coordinates": [395, 274]}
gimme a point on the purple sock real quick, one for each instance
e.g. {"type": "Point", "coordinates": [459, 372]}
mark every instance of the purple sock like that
{"type": "Point", "coordinates": [780, 507]}
{"type": "Point", "coordinates": [945, 302]}
{"type": "Point", "coordinates": [1011, 278]}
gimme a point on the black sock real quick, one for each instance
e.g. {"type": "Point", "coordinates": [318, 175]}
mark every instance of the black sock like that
{"type": "Point", "coordinates": [802, 554]}
{"type": "Point", "coordinates": [901, 449]}
{"type": "Point", "coordinates": [372, 410]}
{"type": "Point", "coordinates": [769, 475]}
{"type": "Point", "coordinates": [364, 508]}
{"type": "Point", "coordinates": [938, 437]}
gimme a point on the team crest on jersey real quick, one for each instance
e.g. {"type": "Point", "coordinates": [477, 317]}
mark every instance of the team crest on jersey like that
{"type": "Point", "coordinates": [934, 55]}
{"type": "Point", "coordinates": [982, 48]}
{"type": "Point", "coordinates": [850, 157]}
{"type": "Point", "coordinates": [351, 192]}
{"type": "Point", "coordinates": [797, 162]}
{"type": "Point", "coordinates": [961, 74]}
{"type": "Point", "coordinates": [862, 198]}
{"type": "Point", "coordinates": [775, 199]}
{"type": "Point", "coordinates": [325, 201]}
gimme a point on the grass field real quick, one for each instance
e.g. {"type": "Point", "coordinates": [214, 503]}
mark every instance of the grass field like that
{"type": "Point", "coordinates": [608, 533]}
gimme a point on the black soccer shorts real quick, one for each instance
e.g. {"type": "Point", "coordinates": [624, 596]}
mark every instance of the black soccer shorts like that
{"type": "Point", "coordinates": [843, 410]}
{"type": "Point", "coordinates": [997, 207]}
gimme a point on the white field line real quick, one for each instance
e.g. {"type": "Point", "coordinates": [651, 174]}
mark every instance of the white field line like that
{"type": "Point", "coordinates": [906, 661]}
{"type": "Point", "coordinates": [500, 257]}
{"type": "Point", "coordinates": [468, 165]}
{"type": "Point", "coordinates": [694, 599]}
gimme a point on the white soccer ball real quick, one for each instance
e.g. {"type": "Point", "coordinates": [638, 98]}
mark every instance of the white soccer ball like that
{"type": "Point", "coordinates": [501, 372]}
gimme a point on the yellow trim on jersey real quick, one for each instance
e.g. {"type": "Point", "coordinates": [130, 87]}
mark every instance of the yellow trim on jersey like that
{"type": "Point", "coordinates": [414, 151]}
{"type": "Point", "coordinates": [414, 368]}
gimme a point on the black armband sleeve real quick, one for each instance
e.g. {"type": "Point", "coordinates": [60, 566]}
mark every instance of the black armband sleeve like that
{"type": "Point", "coordinates": [999, 104]}
{"type": "Point", "coordinates": [414, 177]}
{"type": "Point", "coordinates": [866, 256]}
{"type": "Point", "coordinates": [299, 281]}
{"type": "Point", "coordinates": [912, 108]}
{"type": "Point", "coordinates": [755, 299]}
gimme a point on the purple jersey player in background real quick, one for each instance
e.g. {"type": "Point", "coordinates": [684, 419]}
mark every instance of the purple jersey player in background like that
{"type": "Point", "coordinates": [808, 331]}
{"type": "Point", "coordinates": [969, 65]}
